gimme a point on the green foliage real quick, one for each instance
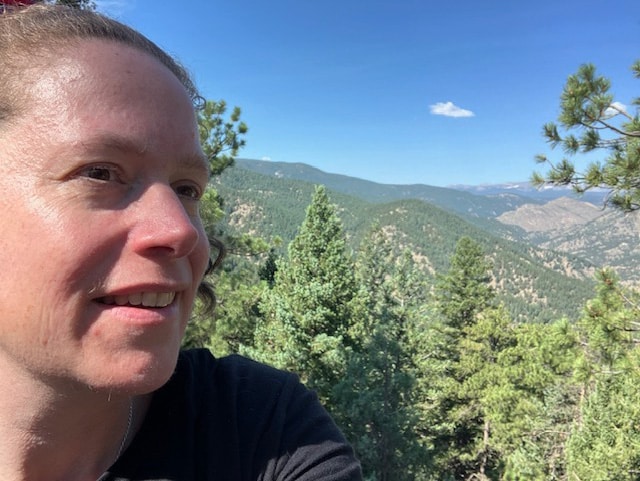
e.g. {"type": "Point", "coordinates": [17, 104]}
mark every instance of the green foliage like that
{"type": "Point", "coordinates": [267, 271]}
{"type": "Point", "coordinates": [603, 124]}
{"type": "Point", "coordinates": [221, 138]}
{"type": "Point", "coordinates": [375, 399]}
{"type": "Point", "coordinates": [533, 423]}
{"type": "Point", "coordinates": [237, 297]}
{"type": "Point", "coordinates": [454, 386]}
{"type": "Point", "coordinates": [465, 291]}
{"type": "Point", "coordinates": [463, 295]}
{"type": "Point", "coordinates": [442, 389]}
{"type": "Point", "coordinates": [427, 387]}
{"type": "Point", "coordinates": [605, 442]}
{"type": "Point", "coordinates": [211, 211]}
{"type": "Point", "coordinates": [609, 329]}
{"type": "Point", "coordinates": [238, 293]}
{"type": "Point", "coordinates": [306, 313]}
{"type": "Point", "coordinates": [532, 284]}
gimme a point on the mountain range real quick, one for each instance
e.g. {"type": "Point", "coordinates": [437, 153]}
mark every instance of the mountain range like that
{"type": "Point", "coordinates": [545, 245]}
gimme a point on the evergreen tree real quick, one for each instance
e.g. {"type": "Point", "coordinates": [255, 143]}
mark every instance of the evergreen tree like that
{"type": "Point", "coordinates": [486, 389]}
{"type": "Point", "coordinates": [609, 329]}
{"type": "Point", "coordinates": [537, 418]}
{"type": "Point", "coordinates": [458, 424]}
{"type": "Point", "coordinates": [605, 442]}
{"type": "Point", "coordinates": [231, 327]}
{"type": "Point", "coordinates": [221, 137]}
{"type": "Point", "coordinates": [588, 106]}
{"type": "Point", "coordinates": [234, 320]}
{"type": "Point", "coordinates": [465, 290]}
{"type": "Point", "coordinates": [306, 313]}
{"type": "Point", "coordinates": [267, 271]}
{"type": "Point", "coordinates": [376, 402]}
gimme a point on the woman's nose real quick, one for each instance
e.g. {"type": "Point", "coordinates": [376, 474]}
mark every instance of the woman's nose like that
{"type": "Point", "coordinates": [162, 224]}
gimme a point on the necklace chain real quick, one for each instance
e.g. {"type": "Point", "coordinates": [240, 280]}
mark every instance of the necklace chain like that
{"type": "Point", "coordinates": [126, 435]}
{"type": "Point", "coordinates": [127, 432]}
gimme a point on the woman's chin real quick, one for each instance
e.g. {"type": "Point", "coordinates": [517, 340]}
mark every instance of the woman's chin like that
{"type": "Point", "coordinates": [135, 373]}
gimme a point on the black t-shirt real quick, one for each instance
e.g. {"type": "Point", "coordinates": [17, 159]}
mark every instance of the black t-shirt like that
{"type": "Point", "coordinates": [235, 419]}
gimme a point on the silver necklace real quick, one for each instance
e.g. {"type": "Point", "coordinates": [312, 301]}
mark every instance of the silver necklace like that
{"type": "Point", "coordinates": [127, 432]}
{"type": "Point", "coordinates": [126, 436]}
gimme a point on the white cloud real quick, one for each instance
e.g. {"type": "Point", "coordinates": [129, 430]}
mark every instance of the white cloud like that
{"type": "Point", "coordinates": [266, 158]}
{"type": "Point", "coordinates": [615, 109]}
{"type": "Point", "coordinates": [449, 109]}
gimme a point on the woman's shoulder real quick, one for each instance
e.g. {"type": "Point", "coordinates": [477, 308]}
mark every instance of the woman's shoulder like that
{"type": "Point", "coordinates": [201, 365]}
{"type": "Point", "coordinates": [246, 419]}
{"type": "Point", "coordinates": [234, 383]}
{"type": "Point", "coordinates": [203, 359]}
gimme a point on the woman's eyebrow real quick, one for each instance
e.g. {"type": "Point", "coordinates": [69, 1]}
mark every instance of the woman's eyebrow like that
{"type": "Point", "coordinates": [199, 163]}
{"type": "Point", "coordinates": [195, 161]}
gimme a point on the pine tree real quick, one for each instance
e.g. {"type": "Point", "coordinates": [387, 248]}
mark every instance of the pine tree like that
{"type": "Point", "coordinates": [377, 405]}
{"type": "Point", "coordinates": [231, 327]}
{"type": "Point", "coordinates": [588, 106]}
{"type": "Point", "coordinates": [537, 417]}
{"type": "Point", "coordinates": [465, 291]}
{"type": "Point", "coordinates": [306, 313]}
{"type": "Point", "coordinates": [605, 442]}
{"type": "Point", "coordinates": [459, 424]}
{"type": "Point", "coordinates": [221, 140]}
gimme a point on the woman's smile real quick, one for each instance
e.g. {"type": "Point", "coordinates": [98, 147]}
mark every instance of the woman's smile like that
{"type": "Point", "coordinates": [141, 299]}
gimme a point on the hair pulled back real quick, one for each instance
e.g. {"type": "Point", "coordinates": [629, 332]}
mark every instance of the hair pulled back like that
{"type": "Point", "coordinates": [41, 29]}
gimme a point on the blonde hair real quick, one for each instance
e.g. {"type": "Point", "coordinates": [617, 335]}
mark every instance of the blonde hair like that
{"type": "Point", "coordinates": [40, 29]}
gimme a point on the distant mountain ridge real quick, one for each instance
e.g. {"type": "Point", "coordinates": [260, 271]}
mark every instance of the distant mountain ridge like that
{"type": "Point", "coordinates": [486, 201]}
{"type": "Point", "coordinates": [459, 201]}
{"type": "Point", "coordinates": [525, 189]}
{"type": "Point", "coordinates": [517, 192]}
{"type": "Point", "coordinates": [555, 219]}
{"type": "Point", "coordinates": [535, 284]}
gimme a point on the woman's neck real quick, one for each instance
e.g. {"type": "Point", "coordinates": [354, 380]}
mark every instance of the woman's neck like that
{"type": "Point", "coordinates": [57, 431]}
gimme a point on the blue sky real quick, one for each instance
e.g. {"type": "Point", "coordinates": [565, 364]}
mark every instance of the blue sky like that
{"type": "Point", "coordinates": [404, 91]}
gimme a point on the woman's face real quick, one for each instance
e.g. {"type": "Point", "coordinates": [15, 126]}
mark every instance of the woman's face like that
{"type": "Point", "coordinates": [102, 249]}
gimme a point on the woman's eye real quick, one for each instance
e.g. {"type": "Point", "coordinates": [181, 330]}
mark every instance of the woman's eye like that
{"type": "Point", "coordinates": [189, 191]}
{"type": "Point", "coordinates": [99, 172]}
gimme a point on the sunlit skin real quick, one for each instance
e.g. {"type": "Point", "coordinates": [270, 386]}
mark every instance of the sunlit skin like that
{"type": "Point", "coordinates": [101, 176]}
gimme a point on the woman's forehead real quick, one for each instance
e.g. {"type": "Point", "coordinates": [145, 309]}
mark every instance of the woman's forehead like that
{"type": "Point", "coordinates": [108, 90]}
{"type": "Point", "coordinates": [101, 72]}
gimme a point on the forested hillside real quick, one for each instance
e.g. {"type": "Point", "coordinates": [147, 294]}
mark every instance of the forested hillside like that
{"type": "Point", "coordinates": [459, 201]}
{"type": "Point", "coordinates": [536, 285]}
{"type": "Point", "coordinates": [401, 317]}
{"type": "Point", "coordinates": [554, 219]}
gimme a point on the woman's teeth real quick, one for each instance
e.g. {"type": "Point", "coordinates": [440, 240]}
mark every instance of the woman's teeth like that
{"type": "Point", "coordinates": [145, 299]}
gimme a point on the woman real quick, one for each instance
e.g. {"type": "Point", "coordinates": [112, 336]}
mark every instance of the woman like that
{"type": "Point", "coordinates": [103, 253]}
